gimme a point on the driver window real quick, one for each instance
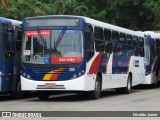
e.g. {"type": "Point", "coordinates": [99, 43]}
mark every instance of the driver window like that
{"type": "Point", "coordinates": [8, 41]}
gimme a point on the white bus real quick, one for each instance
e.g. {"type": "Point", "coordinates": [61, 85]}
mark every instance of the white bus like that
{"type": "Point", "coordinates": [153, 66]}
{"type": "Point", "coordinates": [76, 53]}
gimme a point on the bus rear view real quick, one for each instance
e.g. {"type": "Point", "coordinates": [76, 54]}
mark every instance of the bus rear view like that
{"type": "Point", "coordinates": [52, 54]}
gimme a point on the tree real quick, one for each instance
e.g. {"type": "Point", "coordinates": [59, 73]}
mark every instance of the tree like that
{"type": "Point", "coordinates": [69, 7]}
{"type": "Point", "coordinates": [19, 9]}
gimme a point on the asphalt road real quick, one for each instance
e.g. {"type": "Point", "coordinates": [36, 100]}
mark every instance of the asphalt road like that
{"type": "Point", "coordinates": [141, 99]}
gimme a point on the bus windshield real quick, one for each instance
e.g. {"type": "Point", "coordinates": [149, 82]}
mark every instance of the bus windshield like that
{"type": "Point", "coordinates": [53, 46]}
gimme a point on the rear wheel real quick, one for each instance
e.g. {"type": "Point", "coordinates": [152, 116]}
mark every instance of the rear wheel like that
{"type": "Point", "coordinates": [127, 89]}
{"type": "Point", "coordinates": [97, 89]}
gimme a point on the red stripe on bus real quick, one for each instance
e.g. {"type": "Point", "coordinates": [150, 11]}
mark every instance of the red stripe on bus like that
{"type": "Point", "coordinates": [95, 65]}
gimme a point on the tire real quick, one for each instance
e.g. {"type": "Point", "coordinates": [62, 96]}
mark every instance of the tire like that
{"type": "Point", "coordinates": [127, 89]}
{"type": "Point", "coordinates": [43, 96]}
{"type": "Point", "coordinates": [96, 93]}
{"type": "Point", "coordinates": [155, 84]}
{"type": "Point", "coordinates": [18, 94]}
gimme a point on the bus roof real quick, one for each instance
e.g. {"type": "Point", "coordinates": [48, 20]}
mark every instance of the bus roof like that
{"type": "Point", "coordinates": [154, 35]}
{"type": "Point", "coordinates": [96, 23]}
{"type": "Point", "coordinates": [14, 22]}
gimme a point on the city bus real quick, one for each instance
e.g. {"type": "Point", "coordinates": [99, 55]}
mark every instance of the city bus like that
{"type": "Point", "coordinates": [153, 66]}
{"type": "Point", "coordinates": [10, 54]}
{"type": "Point", "coordinates": [80, 54]}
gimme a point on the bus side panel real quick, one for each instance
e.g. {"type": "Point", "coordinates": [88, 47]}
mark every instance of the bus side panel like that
{"type": "Point", "coordinates": [0, 75]}
{"type": "Point", "coordinates": [7, 77]}
{"type": "Point", "coordinates": [137, 69]}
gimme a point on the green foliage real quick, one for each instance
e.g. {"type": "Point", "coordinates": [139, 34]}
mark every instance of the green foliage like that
{"type": "Point", "coordinates": [132, 14]}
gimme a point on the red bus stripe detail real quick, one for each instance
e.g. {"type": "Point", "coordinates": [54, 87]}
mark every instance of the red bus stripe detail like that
{"type": "Point", "coordinates": [56, 74]}
{"type": "Point", "coordinates": [54, 77]}
{"type": "Point", "coordinates": [95, 65]}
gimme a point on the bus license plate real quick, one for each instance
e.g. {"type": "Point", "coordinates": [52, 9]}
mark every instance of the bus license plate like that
{"type": "Point", "coordinates": [50, 85]}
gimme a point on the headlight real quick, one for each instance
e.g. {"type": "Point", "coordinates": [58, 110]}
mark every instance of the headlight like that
{"type": "Point", "coordinates": [28, 76]}
{"type": "Point", "coordinates": [80, 73]}
{"type": "Point", "coordinates": [74, 76]}
{"type": "Point", "coordinates": [24, 74]}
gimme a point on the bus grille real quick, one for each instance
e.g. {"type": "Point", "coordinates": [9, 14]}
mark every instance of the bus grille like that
{"type": "Point", "coordinates": [43, 71]}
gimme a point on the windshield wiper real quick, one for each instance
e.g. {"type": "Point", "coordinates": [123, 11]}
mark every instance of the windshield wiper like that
{"type": "Point", "coordinates": [42, 39]}
{"type": "Point", "coordinates": [61, 34]}
{"type": "Point", "coordinates": [56, 43]}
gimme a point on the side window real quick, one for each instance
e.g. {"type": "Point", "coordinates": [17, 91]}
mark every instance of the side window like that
{"type": "Point", "coordinates": [129, 42]}
{"type": "Point", "coordinates": [157, 46]}
{"type": "Point", "coordinates": [18, 38]}
{"type": "Point", "coordinates": [89, 42]}
{"type": "Point", "coordinates": [108, 38]}
{"type": "Point", "coordinates": [141, 46]}
{"type": "Point", "coordinates": [107, 35]}
{"type": "Point", "coordinates": [98, 33]}
{"type": "Point", "coordinates": [122, 38]}
{"type": "Point", "coordinates": [115, 41]}
{"type": "Point", "coordinates": [8, 41]}
{"type": "Point", "coordinates": [99, 41]}
{"type": "Point", "coordinates": [122, 42]}
{"type": "Point", "coordinates": [152, 50]}
{"type": "Point", "coordinates": [135, 45]}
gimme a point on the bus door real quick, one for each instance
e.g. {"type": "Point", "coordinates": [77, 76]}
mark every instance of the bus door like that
{"type": "Point", "coordinates": [147, 54]}
{"type": "Point", "coordinates": [17, 57]}
{"type": "Point", "coordinates": [8, 53]}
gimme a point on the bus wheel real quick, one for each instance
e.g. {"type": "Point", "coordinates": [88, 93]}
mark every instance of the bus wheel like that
{"type": "Point", "coordinates": [18, 93]}
{"type": "Point", "coordinates": [43, 96]}
{"type": "Point", "coordinates": [155, 84]}
{"type": "Point", "coordinates": [97, 89]}
{"type": "Point", "coordinates": [127, 89]}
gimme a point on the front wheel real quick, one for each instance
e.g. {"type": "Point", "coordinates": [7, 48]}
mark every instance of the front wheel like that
{"type": "Point", "coordinates": [18, 94]}
{"type": "Point", "coordinates": [155, 84]}
{"type": "Point", "coordinates": [96, 93]}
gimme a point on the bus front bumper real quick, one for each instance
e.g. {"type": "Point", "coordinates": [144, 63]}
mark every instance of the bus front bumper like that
{"type": "Point", "coordinates": [78, 84]}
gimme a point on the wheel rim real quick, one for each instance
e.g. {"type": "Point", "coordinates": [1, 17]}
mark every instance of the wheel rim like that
{"type": "Point", "coordinates": [129, 84]}
{"type": "Point", "coordinates": [97, 87]}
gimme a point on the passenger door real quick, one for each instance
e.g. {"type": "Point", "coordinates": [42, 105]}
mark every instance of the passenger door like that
{"type": "Point", "coordinates": [8, 49]}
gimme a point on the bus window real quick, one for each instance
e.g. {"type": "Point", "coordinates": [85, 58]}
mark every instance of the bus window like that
{"type": "Point", "coordinates": [107, 35]}
{"type": "Point", "coordinates": [152, 50]}
{"type": "Point", "coordinates": [135, 45]}
{"type": "Point", "coordinates": [99, 42]}
{"type": "Point", "coordinates": [115, 41]}
{"type": "Point", "coordinates": [18, 38]}
{"type": "Point", "coordinates": [157, 46]}
{"type": "Point", "coordinates": [141, 42]}
{"type": "Point", "coordinates": [135, 40]}
{"type": "Point", "coordinates": [122, 38]}
{"type": "Point", "coordinates": [98, 33]}
{"type": "Point", "coordinates": [129, 42]}
{"type": "Point", "coordinates": [99, 45]}
{"type": "Point", "coordinates": [115, 37]}
{"type": "Point", "coordinates": [141, 45]}
{"type": "Point", "coordinates": [8, 44]}
{"type": "Point", "coordinates": [89, 42]}
{"type": "Point", "coordinates": [108, 47]}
